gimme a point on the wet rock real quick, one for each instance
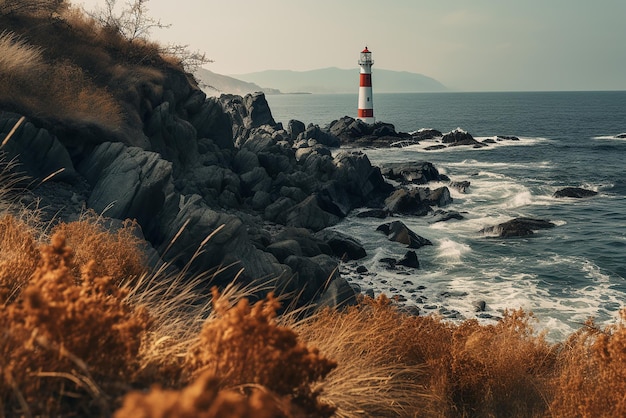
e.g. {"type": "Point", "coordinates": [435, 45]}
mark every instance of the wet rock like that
{"type": "Point", "coordinates": [575, 192]}
{"type": "Point", "coordinates": [461, 186]}
{"type": "Point", "coordinates": [343, 246]}
{"type": "Point", "coordinates": [479, 305]}
{"type": "Point", "coordinates": [518, 227]}
{"type": "Point", "coordinates": [460, 137]}
{"type": "Point", "coordinates": [361, 269]}
{"type": "Point", "coordinates": [399, 232]}
{"type": "Point", "coordinates": [442, 216]}
{"type": "Point", "coordinates": [409, 260]}
{"type": "Point", "coordinates": [411, 173]}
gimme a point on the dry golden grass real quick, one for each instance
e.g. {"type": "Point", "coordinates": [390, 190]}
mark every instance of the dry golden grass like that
{"type": "Point", "coordinates": [18, 259]}
{"type": "Point", "coordinates": [116, 255]}
{"type": "Point", "coordinates": [592, 380]}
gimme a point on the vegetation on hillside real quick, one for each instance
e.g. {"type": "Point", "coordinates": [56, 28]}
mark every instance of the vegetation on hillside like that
{"type": "Point", "coordinates": [88, 330]}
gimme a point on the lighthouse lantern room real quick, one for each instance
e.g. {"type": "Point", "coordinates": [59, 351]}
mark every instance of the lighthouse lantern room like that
{"type": "Point", "coordinates": [366, 102]}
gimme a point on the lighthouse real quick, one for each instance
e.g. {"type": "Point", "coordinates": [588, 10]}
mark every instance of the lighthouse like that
{"type": "Point", "coordinates": [366, 101]}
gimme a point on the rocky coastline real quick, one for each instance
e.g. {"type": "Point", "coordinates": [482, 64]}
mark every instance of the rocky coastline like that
{"type": "Point", "coordinates": [198, 166]}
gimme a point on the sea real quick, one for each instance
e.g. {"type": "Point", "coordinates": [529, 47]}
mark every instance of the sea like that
{"type": "Point", "coordinates": [562, 275]}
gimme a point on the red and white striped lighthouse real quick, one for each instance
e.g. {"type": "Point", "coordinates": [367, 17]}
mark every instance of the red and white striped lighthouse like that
{"type": "Point", "coordinates": [366, 101]}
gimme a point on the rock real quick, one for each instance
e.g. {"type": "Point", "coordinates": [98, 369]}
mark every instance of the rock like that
{"type": "Point", "coordinates": [311, 214]}
{"type": "Point", "coordinates": [361, 269]}
{"type": "Point", "coordinates": [321, 137]}
{"type": "Point", "coordinates": [283, 249]}
{"type": "Point", "coordinates": [518, 227]}
{"type": "Point", "coordinates": [409, 260]}
{"type": "Point", "coordinates": [406, 202]}
{"type": "Point", "coordinates": [575, 192]}
{"type": "Point", "coordinates": [343, 246]}
{"type": "Point", "coordinates": [338, 294]}
{"type": "Point", "coordinates": [620, 136]}
{"type": "Point", "coordinates": [127, 182]}
{"type": "Point", "coordinates": [425, 133]}
{"type": "Point", "coordinates": [39, 152]}
{"type": "Point", "coordinates": [295, 128]}
{"type": "Point", "coordinates": [311, 277]}
{"type": "Point", "coordinates": [461, 186]}
{"type": "Point", "coordinates": [442, 216]}
{"type": "Point", "coordinates": [415, 173]}
{"type": "Point", "coordinates": [507, 138]}
{"type": "Point", "coordinates": [389, 261]}
{"type": "Point", "coordinates": [479, 306]}
{"type": "Point", "coordinates": [310, 245]}
{"type": "Point", "coordinates": [399, 232]}
{"type": "Point", "coordinates": [373, 213]}
{"type": "Point", "coordinates": [459, 137]}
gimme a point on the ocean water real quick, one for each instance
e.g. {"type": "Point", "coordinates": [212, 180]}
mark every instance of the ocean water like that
{"type": "Point", "coordinates": [563, 275]}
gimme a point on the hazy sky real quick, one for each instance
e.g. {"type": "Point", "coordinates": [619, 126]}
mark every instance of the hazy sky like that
{"type": "Point", "coordinates": [477, 45]}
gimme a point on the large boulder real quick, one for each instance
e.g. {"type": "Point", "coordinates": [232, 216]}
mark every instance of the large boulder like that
{"type": "Point", "coordinates": [518, 227]}
{"type": "Point", "coordinates": [420, 172]}
{"type": "Point", "coordinates": [39, 153]}
{"type": "Point", "coordinates": [397, 231]}
{"type": "Point", "coordinates": [127, 182]}
{"type": "Point", "coordinates": [314, 132]}
{"type": "Point", "coordinates": [343, 246]}
{"type": "Point", "coordinates": [460, 137]}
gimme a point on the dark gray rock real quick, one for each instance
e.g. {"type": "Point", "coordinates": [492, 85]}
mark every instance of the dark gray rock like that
{"type": "Point", "coordinates": [414, 173]}
{"type": "Point", "coordinates": [39, 153]}
{"type": "Point", "coordinates": [442, 216]}
{"type": "Point", "coordinates": [479, 305]}
{"type": "Point", "coordinates": [409, 260]}
{"type": "Point", "coordinates": [321, 137]}
{"type": "Point", "coordinates": [461, 186]}
{"type": "Point", "coordinates": [399, 232]}
{"type": "Point", "coordinates": [295, 128]}
{"type": "Point", "coordinates": [518, 227]}
{"type": "Point", "coordinates": [127, 182]}
{"type": "Point", "coordinates": [338, 294]}
{"type": "Point", "coordinates": [459, 137]}
{"type": "Point", "coordinates": [283, 249]}
{"type": "Point", "coordinates": [424, 134]}
{"type": "Point", "coordinates": [343, 246]}
{"type": "Point", "coordinates": [575, 192]}
{"type": "Point", "coordinates": [310, 214]}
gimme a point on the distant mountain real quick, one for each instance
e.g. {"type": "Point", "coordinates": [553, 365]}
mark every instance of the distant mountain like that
{"type": "Point", "coordinates": [336, 80]}
{"type": "Point", "coordinates": [215, 84]}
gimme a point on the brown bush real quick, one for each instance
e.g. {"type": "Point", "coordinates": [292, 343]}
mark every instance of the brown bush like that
{"type": "Point", "coordinates": [201, 399]}
{"type": "Point", "coordinates": [18, 259]}
{"type": "Point", "coordinates": [592, 381]}
{"type": "Point", "coordinates": [116, 255]}
{"type": "Point", "coordinates": [244, 345]}
{"type": "Point", "coordinates": [64, 340]}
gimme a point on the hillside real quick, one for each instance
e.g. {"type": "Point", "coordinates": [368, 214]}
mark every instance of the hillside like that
{"type": "Point", "coordinates": [215, 84]}
{"type": "Point", "coordinates": [336, 80]}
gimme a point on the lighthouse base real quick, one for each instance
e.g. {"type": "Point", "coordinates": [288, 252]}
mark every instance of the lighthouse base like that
{"type": "Point", "coordinates": [370, 120]}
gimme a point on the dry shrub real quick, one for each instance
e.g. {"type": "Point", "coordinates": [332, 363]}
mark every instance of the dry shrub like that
{"type": "Point", "coordinates": [116, 255]}
{"type": "Point", "coordinates": [373, 376]}
{"type": "Point", "coordinates": [17, 57]}
{"type": "Point", "coordinates": [18, 259]}
{"type": "Point", "coordinates": [500, 370]}
{"type": "Point", "coordinates": [61, 337]}
{"type": "Point", "coordinates": [201, 399]}
{"type": "Point", "coordinates": [395, 364]}
{"type": "Point", "coordinates": [592, 382]}
{"type": "Point", "coordinates": [244, 345]}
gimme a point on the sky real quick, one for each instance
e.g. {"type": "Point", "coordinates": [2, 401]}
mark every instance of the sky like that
{"type": "Point", "coordinates": [477, 45]}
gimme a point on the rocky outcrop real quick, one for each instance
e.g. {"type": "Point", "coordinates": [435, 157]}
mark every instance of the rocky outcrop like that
{"type": "Point", "coordinates": [460, 137]}
{"type": "Point", "coordinates": [397, 231]}
{"type": "Point", "coordinates": [518, 227]}
{"type": "Point", "coordinates": [355, 132]}
{"type": "Point", "coordinates": [417, 202]}
{"type": "Point", "coordinates": [575, 192]}
{"type": "Point", "coordinates": [412, 173]}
